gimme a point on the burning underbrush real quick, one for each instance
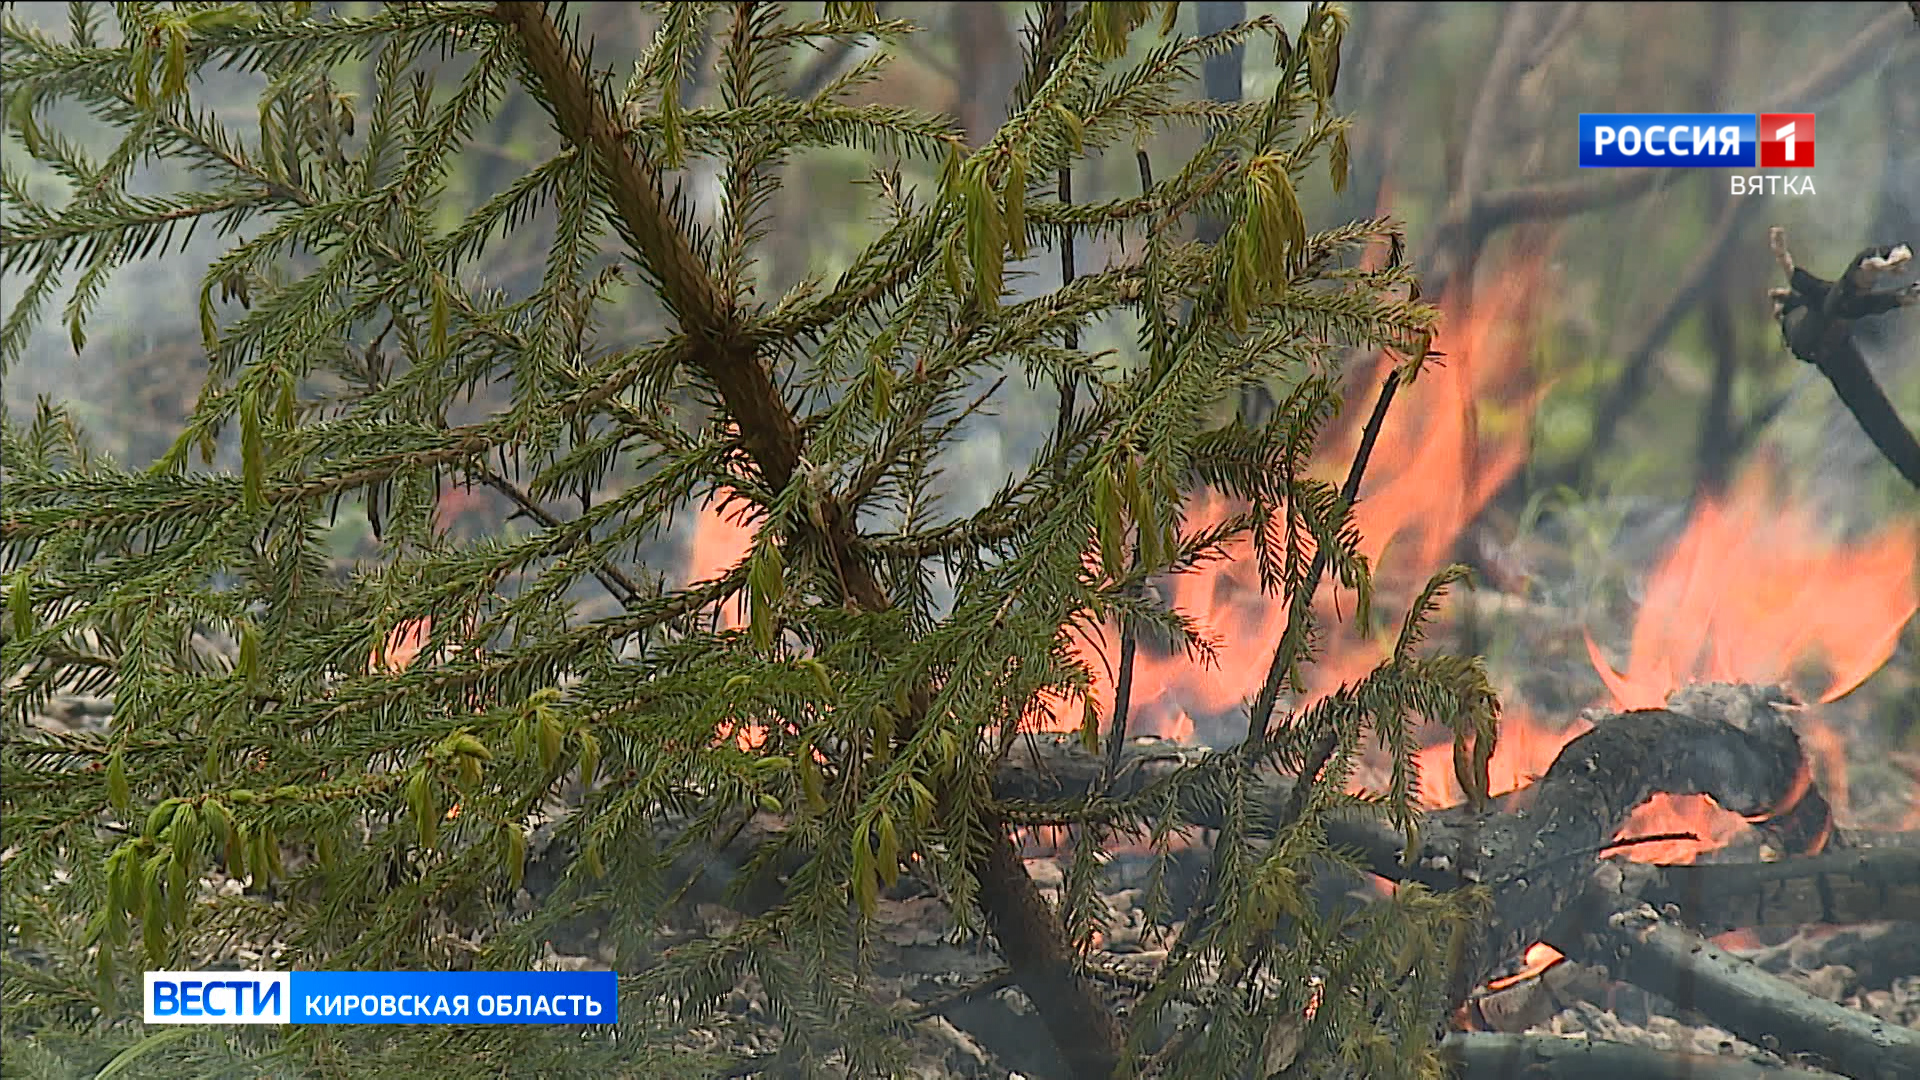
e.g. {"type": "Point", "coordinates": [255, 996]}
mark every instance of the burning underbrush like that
{"type": "Point", "coordinates": [1752, 589]}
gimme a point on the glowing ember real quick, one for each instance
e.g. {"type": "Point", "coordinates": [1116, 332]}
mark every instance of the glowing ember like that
{"type": "Point", "coordinates": [1540, 956]}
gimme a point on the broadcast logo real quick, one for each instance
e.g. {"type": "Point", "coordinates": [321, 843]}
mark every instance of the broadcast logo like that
{"type": "Point", "coordinates": [1786, 140]}
{"type": "Point", "coordinates": [382, 997]}
{"type": "Point", "coordinates": [1772, 141]}
{"type": "Point", "coordinates": [218, 997]}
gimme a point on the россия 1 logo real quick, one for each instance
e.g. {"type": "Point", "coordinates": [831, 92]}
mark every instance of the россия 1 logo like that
{"type": "Point", "coordinates": [1786, 140]}
{"type": "Point", "coordinates": [1705, 141]}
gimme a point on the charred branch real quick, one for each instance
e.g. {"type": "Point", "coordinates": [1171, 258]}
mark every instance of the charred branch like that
{"type": "Point", "coordinates": [1653, 953]}
{"type": "Point", "coordinates": [1479, 1056]}
{"type": "Point", "coordinates": [1816, 319]}
{"type": "Point", "coordinates": [1739, 750]}
{"type": "Point", "coordinates": [1838, 888]}
{"type": "Point", "coordinates": [1540, 853]}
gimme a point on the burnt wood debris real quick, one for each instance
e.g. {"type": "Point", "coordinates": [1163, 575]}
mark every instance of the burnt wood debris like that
{"type": "Point", "coordinates": [1542, 855]}
{"type": "Point", "coordinates": [1816, 319]}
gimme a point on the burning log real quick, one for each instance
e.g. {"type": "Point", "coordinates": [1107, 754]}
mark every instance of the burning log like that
{"type": "Point", "coordinates": [1480, 1056]}
{"type": "Point", "coordinates": [1534, 853]}
{"type": "Point", "coordinates": [1535, 850]}
{"type": "Point", "coordinates": [1551, 984]}
{"type": "Point", "coordinates": [1534, 847]}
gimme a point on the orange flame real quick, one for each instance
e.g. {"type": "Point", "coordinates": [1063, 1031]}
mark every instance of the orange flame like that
{"type": "Point", "coordinates": [1446, 448]}
{"type": "Point", "coordinates": [1540, 956]}
{"type": "Point", "coordinates": [1753, 591]}
{"type": "Point", "coordinates": [1754, 588]}
{"type": "Point", "coordinates": [456, 500]}
{"type": "Point", "coordinates": [1437, 462]}
{"type": "Point", "coordinates": [1224, 602]}
{"type": "Point", "coordinates": [721, 538]}
{"type": "Point", "coordinates": [402, 645]}
{"type": "Point", "coordinates": [1525, 750]}
{"type": "Point", "coordinates": [748, 736]}
{"type": "Point", "coordinates": [405, 642]}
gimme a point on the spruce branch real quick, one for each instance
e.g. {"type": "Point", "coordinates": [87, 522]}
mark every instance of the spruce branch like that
{"type": "Point", "coordinates": [1029, 931]}
{"type": "Point", "coordinates": [622, 587]}
{"type": "Point", "coordinates": [719, 349]}
{"type": "Point", "coordinates": [1287, 652]}
{"type": "Point", "coordinates": [1260, 735]}
{"type": "Point", "coordinates": [866, 705]}
{"type": "Point", "coordinates": [1129, 630]}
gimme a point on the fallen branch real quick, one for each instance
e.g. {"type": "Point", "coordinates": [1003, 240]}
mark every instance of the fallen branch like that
{"type": "Point", "coordinates": [1732, 743]}
{"type": "Point", "coordinates": [1549, 1057]}
{"type": "Point", "coordinates": [1739, 750]}
{"type": "Point", "coordinates": [1839, 888]}
{"type": "Point", "coordinates": [1752, 766]}
{"type": "Point", "coordinates": [1651, 952]}
{"type": "Point", "coordinates": [992, 984]}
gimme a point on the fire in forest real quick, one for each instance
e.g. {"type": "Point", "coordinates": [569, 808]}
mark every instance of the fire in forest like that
{"type": "Point", "coordinates": [1753, 590]}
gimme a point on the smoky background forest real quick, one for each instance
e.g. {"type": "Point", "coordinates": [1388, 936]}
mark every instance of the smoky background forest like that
{"type": "Point", "coordinates": [1615, 398]}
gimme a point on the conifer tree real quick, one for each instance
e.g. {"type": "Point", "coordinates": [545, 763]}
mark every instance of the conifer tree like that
{"type": "Point", "coordinates": [892, 649]}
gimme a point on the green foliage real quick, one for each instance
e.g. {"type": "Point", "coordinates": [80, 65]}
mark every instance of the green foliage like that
{"type": "Point", "coordinates": [379, 810]}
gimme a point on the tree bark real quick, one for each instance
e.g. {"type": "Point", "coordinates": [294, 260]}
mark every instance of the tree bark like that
{"type": "Point", "coordinates": [1084, 1028]}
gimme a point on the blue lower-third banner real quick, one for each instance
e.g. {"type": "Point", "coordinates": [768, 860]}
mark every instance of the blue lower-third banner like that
{"type": "Point", "coordinates": [382, 997]}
